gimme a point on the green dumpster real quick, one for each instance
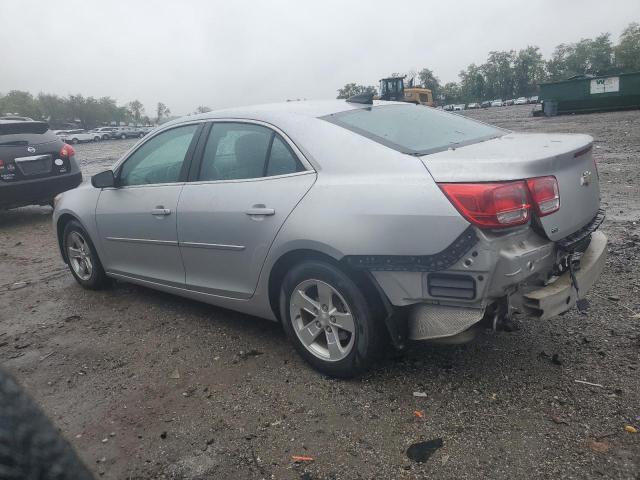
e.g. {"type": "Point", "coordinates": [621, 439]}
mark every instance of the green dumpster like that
{"type": "Point", "coordinates": [592, 94]}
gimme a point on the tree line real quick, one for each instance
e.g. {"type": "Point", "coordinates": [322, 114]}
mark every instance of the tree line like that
{"type": "Point", "coordinates": [88, 112]}
{"type": "Point", "coordinates": [510, 74]}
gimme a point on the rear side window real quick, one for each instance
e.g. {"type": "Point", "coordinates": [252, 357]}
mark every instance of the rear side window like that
{"type": "Point", "coordinates": [414, 129]}
{"type": "Point", "coordinates": [236, 151]}
{"type": "Point", "coordinates": [282, 160]}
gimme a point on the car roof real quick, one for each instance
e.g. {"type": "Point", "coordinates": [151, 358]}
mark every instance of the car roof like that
{"type": "Point", "coordinates": [275, 112]}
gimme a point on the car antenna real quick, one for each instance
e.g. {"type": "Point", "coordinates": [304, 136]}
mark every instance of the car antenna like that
{"type": "Point", "coordinates": [365, 98]}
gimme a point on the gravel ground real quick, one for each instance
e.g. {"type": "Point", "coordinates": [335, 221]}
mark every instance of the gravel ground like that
{"type": "Point", "coordinates": [147, 385]}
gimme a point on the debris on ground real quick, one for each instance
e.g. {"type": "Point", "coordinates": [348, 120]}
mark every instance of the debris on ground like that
{"type": "Point", "coordinates": [559, 421]}
{"type": "Point", "coordinates": [599, 447]}
{"type": "Point", "coordinates": [175, 374]}
{"type": "Point", "coordinates": [630, 429]}
{"type": "Point", "coordinates": [418, 414]}
{"type": "Point", "coordinates": [301, 458]}
{"type": "Point", "coordinates": [419, 394]}
{"type": "Point", "coordinates": [249, 353]}
{"type": "Point", "coordinates": [589, 383]}
{"type": "Point", "coordinates": [420, 452]}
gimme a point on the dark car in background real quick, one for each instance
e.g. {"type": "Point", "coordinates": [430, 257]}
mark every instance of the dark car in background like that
{"type": "Point", "coordinates": [35, 164]}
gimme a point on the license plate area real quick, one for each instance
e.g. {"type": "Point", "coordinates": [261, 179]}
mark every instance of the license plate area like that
{"type": "Point", "coordinates": [35, 165]}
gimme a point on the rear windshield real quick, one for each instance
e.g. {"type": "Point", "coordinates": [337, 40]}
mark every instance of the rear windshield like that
{"type": "Point", "coordinates": [414, 129]}
{"type": "Point", "coordinates": [24, 139]}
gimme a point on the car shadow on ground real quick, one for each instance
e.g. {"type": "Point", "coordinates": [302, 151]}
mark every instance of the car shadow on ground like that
{"type": "Point", "coordinates": [489, 354]}
{"type": "Point", "coordinates": [25, 216]}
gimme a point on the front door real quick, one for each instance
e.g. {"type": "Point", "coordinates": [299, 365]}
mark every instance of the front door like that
{"type": "Point", "coordinates": [137, 220]}
{"type": "Point", "coordinates": [248, 183]}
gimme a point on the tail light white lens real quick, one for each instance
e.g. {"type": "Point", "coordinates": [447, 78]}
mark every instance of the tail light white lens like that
{"type": "Point", "coordinates": [67, 151]}
{"type": "Point", "coordinates": [490, 205]}
{"type": "Point", "coordinates": [545, 195]}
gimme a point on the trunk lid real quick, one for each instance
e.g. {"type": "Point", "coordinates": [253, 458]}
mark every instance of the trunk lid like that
{"type": "Point", "coordinates": [518, 156]}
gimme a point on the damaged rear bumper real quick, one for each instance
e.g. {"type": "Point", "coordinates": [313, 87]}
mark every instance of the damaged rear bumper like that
{"type": "Point", "coordinates": [560, 296]}
{"type": "Point", "coordinates": [501, 274]}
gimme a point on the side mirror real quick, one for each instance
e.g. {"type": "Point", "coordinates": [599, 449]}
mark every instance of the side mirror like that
{"type": "Point", "coordinates": [103, 179]}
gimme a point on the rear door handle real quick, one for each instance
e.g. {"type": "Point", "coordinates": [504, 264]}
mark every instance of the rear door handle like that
{"type": "Point", "coordinates": [161, 211]}
{"type": "Point", "coordinates": [260, 211]}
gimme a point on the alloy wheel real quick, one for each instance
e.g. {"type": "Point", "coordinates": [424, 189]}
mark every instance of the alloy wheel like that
{"type": "Point", "coordinates": [79, 255]}
{"type": "Point", "coordinates": [322, 320]}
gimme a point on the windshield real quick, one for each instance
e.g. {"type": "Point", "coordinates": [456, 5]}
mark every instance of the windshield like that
{"type": "Point", "coordinates": [414, 129]}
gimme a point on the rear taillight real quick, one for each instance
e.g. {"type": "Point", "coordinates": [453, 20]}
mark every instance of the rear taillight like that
{"type": "Point", "coordinates": [545, 195]}
{"type": "Point", "coordinates": [67, 151]}
{"type": "Point", "coordinates": [490, 205]}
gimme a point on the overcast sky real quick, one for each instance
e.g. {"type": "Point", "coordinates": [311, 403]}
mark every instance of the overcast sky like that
{"type": "Point", "coordinates": [223, 53]}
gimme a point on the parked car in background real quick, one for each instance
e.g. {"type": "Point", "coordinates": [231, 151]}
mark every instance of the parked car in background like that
{"type": "Point", "coordinates": [78, 136]}
{"type": "Point", "coordinates": [509, 102]}
{"type": "Point", "coordinates": [534, 99]}
{"type": "Point", "coordinates": [458, 107]}
{"type": "Point", "coordinates": [35, 164]}
{"type": "Point", "coordinates": [497, 103]}
{"type": "Point", "coordinates": [520, 101]}
{"type": "Point", "coordinates": [127, 132]}
{"type": "Point", "coordinates": [105, 132]}
{"type": "Point", "coordinates": [146, 129]}
{"type": "Point", "coordinates": [473, 105]}
{"type": "Point", "coordinates": [253, 219]}
{"type": "Point", "coordinates": [448, 108]}
{"type": "Point", "coordinates": [485, 104]}
{"type": "Point", "coordinates": [16, 118]}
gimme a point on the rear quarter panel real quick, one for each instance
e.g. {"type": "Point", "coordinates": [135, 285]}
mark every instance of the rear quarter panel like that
{"type": "Point", "coordinates": [368, 199]}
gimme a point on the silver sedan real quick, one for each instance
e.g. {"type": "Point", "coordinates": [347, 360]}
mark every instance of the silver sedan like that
{"type": "Point", "coordinates": [353, 223]}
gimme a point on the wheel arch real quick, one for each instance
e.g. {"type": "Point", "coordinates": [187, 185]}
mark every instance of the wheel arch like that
{"type": "Point", "coordinates": [291, 258]}
{"type": "Point", "coordinates": [61, 223]}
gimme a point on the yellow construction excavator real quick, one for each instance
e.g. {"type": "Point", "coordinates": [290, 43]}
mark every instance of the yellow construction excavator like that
{"type": "Point", "coordinates": [392, 88]}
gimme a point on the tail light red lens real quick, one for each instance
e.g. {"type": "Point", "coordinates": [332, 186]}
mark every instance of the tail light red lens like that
{"type": "Point", "coordinates": [490, 205]}
{"type": "Point", "coordinates": [545, 195]}
{"type": "Point", "coordinates": [67, 151]}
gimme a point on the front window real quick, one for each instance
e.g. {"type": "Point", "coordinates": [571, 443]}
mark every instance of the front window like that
{"type": "Point", "coordinates": [160, 159]}
{"type": "Point", "coordinates": [414, 129]}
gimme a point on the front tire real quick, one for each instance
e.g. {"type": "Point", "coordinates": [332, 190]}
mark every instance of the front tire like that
{"type": "Point", "coordinates": [123, 136]}
{"type": "Point", "coordinates": [74, 141]}
{"type": "Point", "coordinates": [328, 319]}
{"type": "Point", "coordinates": [82, 257]}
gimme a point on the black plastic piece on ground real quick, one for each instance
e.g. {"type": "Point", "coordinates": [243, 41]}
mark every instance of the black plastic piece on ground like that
{"type": "Point", "coordinates": [421, 452]}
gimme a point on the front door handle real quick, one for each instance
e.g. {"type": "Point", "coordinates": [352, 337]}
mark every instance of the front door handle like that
{"type": "Point", "coordinates": [260, 210]}
{"type": "Point", "coordinates": [161, 211]}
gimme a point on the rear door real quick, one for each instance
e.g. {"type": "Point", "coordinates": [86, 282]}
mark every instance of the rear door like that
{"type": "Point", "coordinates": [247, 182]}
{"type": "Point", "coordinates": [137, 219]}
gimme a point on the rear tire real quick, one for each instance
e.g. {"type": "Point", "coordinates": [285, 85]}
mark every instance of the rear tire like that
{"type": "Point", "coordinates": [74, 141]}
{"type": "Point", "coordinates": [96, 139]}
{"type": "Point", "coordinates": [321, 304]}
{"type": "Point", "coordinates": [82, 257]}
{"type": "Point", "coordinates": [123, 136]}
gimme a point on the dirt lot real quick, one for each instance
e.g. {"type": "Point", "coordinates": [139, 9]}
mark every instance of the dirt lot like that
{"type": "Point", "coordinates": [146, 385]}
